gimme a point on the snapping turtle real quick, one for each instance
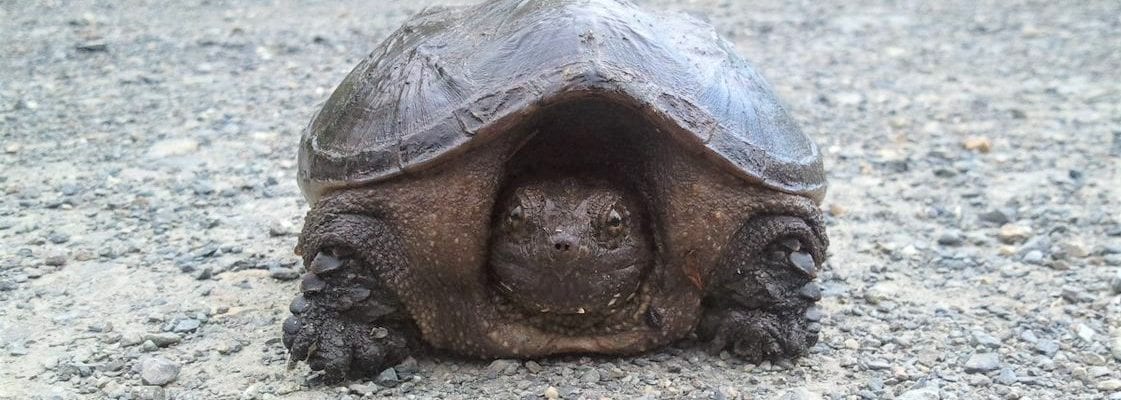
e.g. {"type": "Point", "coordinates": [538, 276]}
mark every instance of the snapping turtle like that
{"type": "Point", "coordinates": [523, 178]}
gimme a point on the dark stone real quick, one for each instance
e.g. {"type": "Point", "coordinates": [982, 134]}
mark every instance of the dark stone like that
{"type": "Point", "coordinates": [388, 378]}
{"type": "Point", "coordinates": [95, 46]}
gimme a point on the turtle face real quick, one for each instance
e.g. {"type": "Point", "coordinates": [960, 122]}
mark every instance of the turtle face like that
{"type": "Point", "coordinates": [569, 246]}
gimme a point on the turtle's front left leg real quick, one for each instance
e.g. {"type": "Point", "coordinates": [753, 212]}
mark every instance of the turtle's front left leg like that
{"type": "Point", "coordinates": [760, 302]}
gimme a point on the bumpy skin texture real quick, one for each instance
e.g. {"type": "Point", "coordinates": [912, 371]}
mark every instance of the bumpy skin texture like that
{"type": "Point", "coordinates": [760, 303]}
{"type": "Point", "coordinates": [346, 320]}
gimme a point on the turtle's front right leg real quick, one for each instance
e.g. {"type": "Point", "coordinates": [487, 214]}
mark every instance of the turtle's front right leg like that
{"type": "Point", "coordinates": [347, 320]}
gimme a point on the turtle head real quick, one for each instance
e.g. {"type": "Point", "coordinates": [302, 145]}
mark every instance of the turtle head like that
{"type": "Point", "coordinates": [570, 246]}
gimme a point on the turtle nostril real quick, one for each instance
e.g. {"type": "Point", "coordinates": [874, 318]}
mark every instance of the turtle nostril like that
{"type": "Point", "coordinates": [562, 242]}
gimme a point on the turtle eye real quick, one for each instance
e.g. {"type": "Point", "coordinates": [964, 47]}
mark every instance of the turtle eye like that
{"type": "Point", "coordinates": [614, 219]}
{"type": "Point", "coordinates": [613, 222]}
{"type": "Point", "coordinates": [516, 217]}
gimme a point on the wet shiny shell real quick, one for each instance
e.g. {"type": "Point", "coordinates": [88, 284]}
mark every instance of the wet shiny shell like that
{"type": "Point", "coordinates": [433, 88]}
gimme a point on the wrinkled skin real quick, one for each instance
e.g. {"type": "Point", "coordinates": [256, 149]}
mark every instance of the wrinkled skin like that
{"type": "Point", "coordinates": [570, 247]}
{"type": "Point", "coordinates": [434, 259]}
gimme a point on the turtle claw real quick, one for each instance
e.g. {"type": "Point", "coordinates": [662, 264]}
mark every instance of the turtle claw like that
{"type": "Point", "coordinates": [804, 262]}
{"type": "Point", "coordinates": [298, 305]}
{"type": "Point", "coordinates": [810, 291]}
{"type": "Point", "coordinates": [311, 283]}
{"type": "Point", "coordinates": [324, 263]}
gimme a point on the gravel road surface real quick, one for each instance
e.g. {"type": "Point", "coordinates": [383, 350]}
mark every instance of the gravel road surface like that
{"type": "Point", "coordinates": [150, 207]}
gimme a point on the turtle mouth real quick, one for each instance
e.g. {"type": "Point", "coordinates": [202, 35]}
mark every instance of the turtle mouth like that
{"type": "Point", "coordinates": [567, 294]}
{"type": "Point", "coordinates": [571, 303]}
{"type": "Point", "coordinates": [621, 312]}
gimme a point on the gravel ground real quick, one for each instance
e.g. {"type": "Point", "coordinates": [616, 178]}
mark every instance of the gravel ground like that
{"type": "Point", "coordinates": [150, 206]}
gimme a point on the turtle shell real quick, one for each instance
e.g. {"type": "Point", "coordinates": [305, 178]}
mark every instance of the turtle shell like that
{"type": "Point", "coordinates": [433, 87]}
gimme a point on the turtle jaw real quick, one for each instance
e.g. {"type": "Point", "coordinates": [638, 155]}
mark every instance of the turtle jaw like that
{"type": "Point", "coordinates": [567, 292]}
{"type": "Point", "coordinates": [580, 306]}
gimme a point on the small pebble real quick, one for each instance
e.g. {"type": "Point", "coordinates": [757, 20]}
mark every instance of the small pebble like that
{"type": "Point", "coordinates": [186, 325]}
{"type": "Point", "coordinates": [1047, 347]}
{"type": "Point", "coordinates": [363, 389]}
{"type": "Point", "coordinates": [1084, 332]}
{"type": "Point", "coordinates": [982, 362]}
{"type": "Point", "coordinates": [283, 273]}
{"type": "Point", "coordinates": [1006, 377]}
{"type": "Point", "coordinates": [978, 144]}
{"type": "Point", "coordinates": [877, 294]}
{"type": "Point", "coordinates": [149, 393]}
{"type": "Point", "coordinates": [1075, 294]}
{"type": "Point", "coordinates": [950, 238]}
{"type": "Point", "coordinates": [388, 378]}
{"type": "Point", "coordinates": [93, 46]}
{"type": "Point", "coordinates": [1012, 234]}
{"type": "Point", "coordinates": [100, 327]}
{"type": "Point", "coordinates": [985, 340]}
{"type": "Point", "coordinates": [501, 367]}
{"type": "Point", "coordinates": [1033, 257]}
{"type": "Point", "coordinates": [158, 371]}
{"type": "Point", "coordinates": [409, 366]}
{"type": "Point", "coordinates": [17, 349]}
{"type": "Point", "coordinates": [1115, 282]}
{"type": "Point", "coordinates": [173, 147]}
{"type": "Point", "coordinates": [995, 216]}
{"type": "Point", "coordinates": [280, 228]}
{"type": "Point", "coordinates": [878, 364]}
{"type": "Point", "coordinates": [163, 339]}
{"type": "Point", "coordinates": [590, 377]}
{"type": "Point", "coordinates": [1115, 346]}
{"type": "Point", "coordinates": [114, 389]}
{"type": "Point", "coordinates": [1110, 385]}
{"type": "Point", "coordinates": [800, 393]}
{"type": "Point", "coordinates": [926, 393]}
{"type": "Point", "coordinates": [56, 260]}
{"type": "Point", "coordinates": [58, 238]}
